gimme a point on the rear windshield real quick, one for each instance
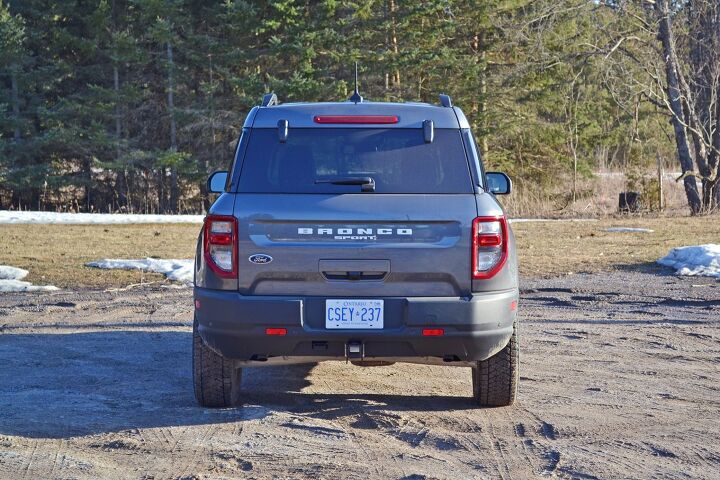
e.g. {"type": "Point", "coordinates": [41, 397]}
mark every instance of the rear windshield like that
{"type": "Point", "coordinates": [398, 160]}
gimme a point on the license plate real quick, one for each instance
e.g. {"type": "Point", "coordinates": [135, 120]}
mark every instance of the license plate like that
{"type": "Point", "coordinates": [356, 314]}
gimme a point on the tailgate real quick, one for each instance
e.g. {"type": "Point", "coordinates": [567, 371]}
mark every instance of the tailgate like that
{"type": "Point", "coordinates": [355, 245]}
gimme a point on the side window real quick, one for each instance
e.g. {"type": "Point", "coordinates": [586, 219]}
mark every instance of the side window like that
{"type": "Point", "coordinates": [237, 162]}
{"type": "Point", "coordinates": [475, 160]}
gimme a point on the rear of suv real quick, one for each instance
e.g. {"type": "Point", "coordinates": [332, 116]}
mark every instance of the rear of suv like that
{"type": "Point", "coordinates": [357, 231]}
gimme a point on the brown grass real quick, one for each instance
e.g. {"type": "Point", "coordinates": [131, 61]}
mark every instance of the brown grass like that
{"type": "Point", "coordinates": [551, 249]}
{"type": "Point", "coordinates": [56, 254]}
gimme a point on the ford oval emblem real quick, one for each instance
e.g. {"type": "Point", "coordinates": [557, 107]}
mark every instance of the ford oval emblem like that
{"type": "Point", "coordinates": [260, 258]}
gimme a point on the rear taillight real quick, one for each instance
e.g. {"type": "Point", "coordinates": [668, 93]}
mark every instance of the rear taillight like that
{"type": "Point", "coordinates": [221, 245]}
{"type": "Point", "coordinates": [489, 246]}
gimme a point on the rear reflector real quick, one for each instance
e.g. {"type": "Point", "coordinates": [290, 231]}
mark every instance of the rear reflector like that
{"type": "Point", "coordinates": [357, 119]}
{"type": "Point", "coordinates": [433, 332]}
{"type": "Point", "coordinates": [276, 331]}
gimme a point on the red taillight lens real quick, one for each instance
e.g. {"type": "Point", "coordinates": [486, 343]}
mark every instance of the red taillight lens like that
{"type": "Point", "coordinates": [276, 331]}
{"type": "Point", "coordinates": [489, 246]}
{"type": "Point", "coordinates": [357, 119]}
{"type": "Point", "coordinates": [221, 245]}
{"type": "Point", "coordinates": [433, 332]}
{"type": "Point", "coordinates": [489, 240]}
{"type": "Point", "coordinates": [220, 238]}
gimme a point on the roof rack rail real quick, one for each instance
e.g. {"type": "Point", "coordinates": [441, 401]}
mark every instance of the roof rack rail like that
{"type": "Point", "coordinates": [269, 99]}
{"type": "Point", "coordinates": [445, 100]}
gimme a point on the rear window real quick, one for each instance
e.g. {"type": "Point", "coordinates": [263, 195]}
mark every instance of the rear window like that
{"type": "Point", "coordinates": [398, 160]}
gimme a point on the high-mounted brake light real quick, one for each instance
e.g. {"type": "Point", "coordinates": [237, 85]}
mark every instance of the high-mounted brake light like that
{"type": "Point", "coordinates": [489, 246]}
{"type": "Point", "coordinates": [356, 119]}
{"type": "Point", "coordinates": [220, 242]}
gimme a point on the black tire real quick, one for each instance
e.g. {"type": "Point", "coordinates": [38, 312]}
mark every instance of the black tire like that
{"type": "Point", "coordinates": [216, 379]}
{"type": "Point", "coordinates": [495, 380]}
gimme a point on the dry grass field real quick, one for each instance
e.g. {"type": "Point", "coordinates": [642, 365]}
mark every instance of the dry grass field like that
{"type": "Point", "coordinates": [56, 254]}
{"type": "Point", "coordinates": [549, 249]}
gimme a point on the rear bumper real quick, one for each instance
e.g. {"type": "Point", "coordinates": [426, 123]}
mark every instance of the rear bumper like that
{"type": "Point", "coordinates": [475, 327]}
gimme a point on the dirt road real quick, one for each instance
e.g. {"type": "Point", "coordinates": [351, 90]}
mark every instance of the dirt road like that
{"type": "Point", "coordinates": [620, 379]}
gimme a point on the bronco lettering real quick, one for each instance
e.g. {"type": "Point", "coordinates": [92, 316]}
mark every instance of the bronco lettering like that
{"type": "Point", "coordinates": [354, 231]}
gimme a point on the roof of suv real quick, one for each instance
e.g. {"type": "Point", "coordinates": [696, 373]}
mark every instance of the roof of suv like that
{"type": "Point", "coordinates": [409, 115]}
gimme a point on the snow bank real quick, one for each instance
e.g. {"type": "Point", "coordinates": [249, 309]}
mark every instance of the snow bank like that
{"type": "Point", "coordinates": [694, 260]}
{"type": "Point", "coordinates": [8, 216]}
{"type": "Point", "coordinates": [173, 269]}
{"type": "Point", "coordinates": [526, 220]}
{"type": "Point", "coordinates": [629, 230]}
{"type": "Point", "coordinates": [11, 281]}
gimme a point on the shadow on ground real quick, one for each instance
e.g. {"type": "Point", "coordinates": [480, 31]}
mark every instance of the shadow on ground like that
{"type": "Point", "coordinates": [66, 385]}
{"type": "Point", "coordinates": [652, 268]}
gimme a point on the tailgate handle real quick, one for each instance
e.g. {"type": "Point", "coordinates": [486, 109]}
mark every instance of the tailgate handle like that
{"type": "Point", "coordinates": [354, 270]}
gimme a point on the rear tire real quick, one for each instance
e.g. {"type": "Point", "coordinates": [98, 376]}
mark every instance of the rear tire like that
{"type": "Point", "coordinates": [216, 379]}
{"type": "Point", "coordinates": [495, 380]}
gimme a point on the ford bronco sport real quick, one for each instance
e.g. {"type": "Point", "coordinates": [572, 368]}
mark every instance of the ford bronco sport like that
{"type": "Point", "coordinates": [358, 231]}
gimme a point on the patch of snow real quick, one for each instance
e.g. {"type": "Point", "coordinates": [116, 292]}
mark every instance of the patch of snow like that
{"type": "Point", "coordinates": [629, 230]}
{"type": "Point", "coordinates": [10, 216]}
{"type": "Point", "coordinates": [525, 220]}
{"type": "Point", "coordinates": [11, 281]}
{"type": "Point", "coordinates": [694, 260]}
{"type": "Point", "coordinates": [173, 269]}
{"type": "Point", "coordinates": [12, 273]}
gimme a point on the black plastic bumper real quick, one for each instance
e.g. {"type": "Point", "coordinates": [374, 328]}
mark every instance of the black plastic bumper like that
{"type": "Point", "coordinates": [475, 328]}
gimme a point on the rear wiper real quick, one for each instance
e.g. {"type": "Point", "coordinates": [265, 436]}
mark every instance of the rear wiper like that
{"type": "Point", "coordinates": [367, 183]}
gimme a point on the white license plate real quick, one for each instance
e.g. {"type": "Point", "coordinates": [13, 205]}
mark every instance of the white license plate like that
{"type": "Point", "coordinates": [356, 314]}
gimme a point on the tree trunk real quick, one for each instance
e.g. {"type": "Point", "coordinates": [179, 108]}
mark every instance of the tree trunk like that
{"type": "Point", "coordinates": [394, 40]}
{"type": "Point", "coordinates": [484, 149]}
{"type": "Point", "coordinates": [204, 194]}
{"type": "Point", "coordinates": [88, 190]}
{"type": "Point", "coordinates": [15, 100]}
{"type": "Point", "coordinates": [675, 99]}
{"type": "Point", "coordinates": [174, 189]}
{"type": "Point", "coordinates": [161, 190]}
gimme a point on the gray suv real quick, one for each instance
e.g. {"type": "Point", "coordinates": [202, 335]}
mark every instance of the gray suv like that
{"type": "Point", "coordinates": [358, 231]}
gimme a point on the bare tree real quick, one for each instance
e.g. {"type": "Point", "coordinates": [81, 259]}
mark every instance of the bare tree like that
{"type": "Point", "coordinates": [692, 71]}
{"type": "Point", "coordinates": [683, 80]}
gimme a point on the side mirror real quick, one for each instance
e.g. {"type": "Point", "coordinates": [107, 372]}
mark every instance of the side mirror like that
{"type": "Point", "coordinates": [498, 183]}
{"type": "Point", "coordinates": [216, 182]}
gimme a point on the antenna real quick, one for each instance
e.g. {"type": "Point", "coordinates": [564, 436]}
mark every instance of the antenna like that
{"type": "Point", "coordinates": [356, 97]}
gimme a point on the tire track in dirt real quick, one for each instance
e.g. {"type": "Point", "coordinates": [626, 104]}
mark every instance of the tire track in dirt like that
{"type": "Point", "coordinates": [608, 378]}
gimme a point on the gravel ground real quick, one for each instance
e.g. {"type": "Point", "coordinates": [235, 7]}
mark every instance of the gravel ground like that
{"type": "Point", "coordinates": [620, 379]}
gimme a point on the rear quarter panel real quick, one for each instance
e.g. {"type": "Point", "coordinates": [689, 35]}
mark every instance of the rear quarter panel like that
{"type": "Point", "coordinates": [507, 278]}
